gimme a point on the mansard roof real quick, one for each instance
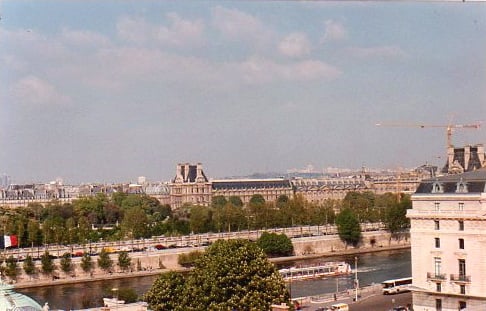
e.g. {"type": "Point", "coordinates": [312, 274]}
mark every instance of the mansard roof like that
{"type": "Point", "coordinates": [237, 184]}
{"type": "Point", "coordinates": [473, 182]}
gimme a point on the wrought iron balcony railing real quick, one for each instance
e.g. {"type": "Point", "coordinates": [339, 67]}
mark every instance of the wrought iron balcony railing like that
{"type": "Point", "coordinates": [461, 278]}
{"type": "Point", "coordinates": [436, 276]}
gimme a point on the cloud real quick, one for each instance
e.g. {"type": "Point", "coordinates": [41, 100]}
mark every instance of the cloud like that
{"type": "Point", "coordinates": [178, 33]}
{"type": "Point", "coordinates": [334, 31]}
{"type": "Point", "coordinates": [295, 45]}
{"type": "Point", "coordinates": [33, 91]}
{"type": "Point", "coordinates": [83, 38]}
{"type": "Point", "coordinates": [237, 25]}
{"type": "Point", "coordinates": [388, 51]}
{"type": "Point", "coordinates": [257, 70]}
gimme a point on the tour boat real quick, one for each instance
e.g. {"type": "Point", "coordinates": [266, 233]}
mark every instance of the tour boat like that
{"type": "Point", "coordinates": [315, 271]}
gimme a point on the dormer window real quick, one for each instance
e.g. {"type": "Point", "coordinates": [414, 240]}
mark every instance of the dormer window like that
{"type": "Point", "coordinates": [461, 187]}
{"type": "Point", "coordinates": [437, 187]}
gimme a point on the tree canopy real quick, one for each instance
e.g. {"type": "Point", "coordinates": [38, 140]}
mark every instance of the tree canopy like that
{"type": "Point", "coordinates": [231, 274]}
{"type": "Point", "coordinates": [348, 226]}
{"type": "Point", "coordinates": [275, 244]}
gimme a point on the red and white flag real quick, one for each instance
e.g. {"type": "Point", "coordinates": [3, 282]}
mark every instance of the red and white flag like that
{"type": "Point", "coordinates": [10, 240]}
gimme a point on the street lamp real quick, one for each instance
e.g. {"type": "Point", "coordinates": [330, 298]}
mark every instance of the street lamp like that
{"type": "Point", "coordinates": [356, 285]}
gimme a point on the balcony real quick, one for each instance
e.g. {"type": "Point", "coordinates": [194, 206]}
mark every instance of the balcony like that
{"type": "Point", "coordinates": [431, 276]}
{"type": "Point", "coordinates": [461, 278]}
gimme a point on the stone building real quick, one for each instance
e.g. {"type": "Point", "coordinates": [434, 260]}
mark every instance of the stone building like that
{"type": "Point", "coordinates": [190, 185]}
{"type": "Point", "coordinates": [464, 159]}
{"type": "Point", "coordinates": [448, 238]}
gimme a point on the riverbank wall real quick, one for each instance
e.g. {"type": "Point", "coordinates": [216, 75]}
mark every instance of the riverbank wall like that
{"type": "Point", "coordinates": [155, 262]}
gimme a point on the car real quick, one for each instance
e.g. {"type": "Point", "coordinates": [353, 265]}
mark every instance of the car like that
{"type": "Point", "coordinates": [400, 308]}
{"type": "Point", "coordinates": [160, 246]}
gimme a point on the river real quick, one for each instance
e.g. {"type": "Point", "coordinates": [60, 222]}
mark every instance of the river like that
{"type": "Point", "coordinates": [372, 268]}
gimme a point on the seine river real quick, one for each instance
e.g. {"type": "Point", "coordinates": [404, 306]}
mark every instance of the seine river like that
{"type": "Point", "coordinates": [372, 268]}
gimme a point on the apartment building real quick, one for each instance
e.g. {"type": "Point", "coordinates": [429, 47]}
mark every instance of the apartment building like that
{"type": "Point", "coordinates": [448, 239]}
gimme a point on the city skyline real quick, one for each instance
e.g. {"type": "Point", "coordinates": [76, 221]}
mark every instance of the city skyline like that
{"type": "Point", "coordinates": [108, 91]}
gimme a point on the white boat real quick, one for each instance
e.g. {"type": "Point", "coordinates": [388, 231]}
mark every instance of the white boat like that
{"type": "Point", "coordinates": [316, 271]}
{"type": "Point", "coordinates": [112, 302]}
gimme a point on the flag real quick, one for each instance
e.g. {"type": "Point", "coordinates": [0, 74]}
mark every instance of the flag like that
{"type": "Point", "coordinates": [10, 241]}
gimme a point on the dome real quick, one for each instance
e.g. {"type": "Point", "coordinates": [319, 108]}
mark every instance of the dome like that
{"type": "Point", "coordinates": [10, 300]}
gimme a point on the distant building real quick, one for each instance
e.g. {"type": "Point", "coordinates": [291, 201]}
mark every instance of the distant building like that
{"type": "Point", "coordinates": [269, 189]}
{"type": "Point", "coordinates": [190, 185]}
{"type": "Point", "coordinates": [448, 239]}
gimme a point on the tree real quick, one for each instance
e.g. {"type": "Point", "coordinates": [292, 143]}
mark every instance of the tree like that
{"type": "Point", "coordinates": [134, 224]}
{"type": "Point", "coordinates": [86, 263]}
{"type": "Point", "coordinates": [200, 219]}
{"type": "Point", "coordinates": [167, 292]}
{"type": "Point", "coordinates": [66, 263]}
{"type": "Point", "coordinates": [348, 227]}
{"type": "Point", "coordinates": [275, 244]}
{"type": "Point", "coordinates": [234, 274]}
{"type": "Point", "coordinates": [124, 261]}
{"type": "Point", "coordinates": [12, 268]}
{"type": "Point", "coordinates": [29, 266]}
{"type": "Point", "coordinates": [236, 201]}
{"type": "Point", "coordinates": [47, 264]}
{"type": "Point", "coordinates": [104, 261]}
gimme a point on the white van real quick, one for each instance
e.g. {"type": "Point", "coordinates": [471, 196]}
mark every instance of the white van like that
{"type": "Point", "coordinates": [340, 307]}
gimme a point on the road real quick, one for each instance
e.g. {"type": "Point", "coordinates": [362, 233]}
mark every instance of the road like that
{"type": "Point", "coordinates": [372, 302]}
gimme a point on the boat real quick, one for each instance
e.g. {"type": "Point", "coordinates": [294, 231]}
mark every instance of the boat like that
{"type": "Point", "coordinates": [333, 268]}
{"type": "Point", "coordinates": [112, 302]}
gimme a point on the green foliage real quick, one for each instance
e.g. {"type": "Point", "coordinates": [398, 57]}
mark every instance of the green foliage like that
{"type": "Point", "coordinates": [124, 261]}
{"type": "Point", "coordinates": [66, 263]}
{"type": "Point", "coordinates": [47, 263]}
{"type": "Point", "coordinates": [200, 219]}
{"type": "Point", "coordinates": [104, 261]}
{"type": "Point", "coordinates": [12, 268]}
{"type": "Point", "coordinates": [29, 265]}
{"type": "Point", "coordinates": [348, 226]}
{"type": "Point", "coordinates": [86, 263]}
{"type": "Point", "coordinates": [167, 293]}
{"type": "Point", "coordinates": [395, 218]}
{"type": "Point", "coordinates": [189, 259]}
{"type": "Point", "coordinates": [129, 295]}
{"type": "Point", "coordinates": [257, 199]}
{"type": "Point", "coordinates": [230, 274]}
{"type": "Point", "coordinates": [135, 223]}
{"type": "Point", "coordinates": [275, 244]}
{"type": "Point", "coordinates": [234, 274]}
{"type": "Point", "coordinates": [236, 201]}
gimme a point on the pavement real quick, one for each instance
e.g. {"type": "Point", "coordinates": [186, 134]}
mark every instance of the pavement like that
{"type": "Point", "coordinates": [369, 299]}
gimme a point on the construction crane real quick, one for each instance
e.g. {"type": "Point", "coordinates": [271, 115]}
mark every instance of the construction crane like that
{"type": "Point", "coordinates": [449, 128]}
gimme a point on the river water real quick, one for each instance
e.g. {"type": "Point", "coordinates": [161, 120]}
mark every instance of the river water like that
{"type": "Point", "coordinates": [372, 268]}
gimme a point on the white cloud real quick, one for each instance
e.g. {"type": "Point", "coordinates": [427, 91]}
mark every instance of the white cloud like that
{"type": "Point", "coordinates": [256, 70]}
{"type": "Point", "coordinates": [238, 25]}
{"type": "Point", "coordinates": [295, 45]}
{"type": "Point", "coordinates": [84, 38]}
{"type": "Point", "coordinates": [33, 91]}
{"type": "Point", "coordinates": [179, 32]}
{"type": "Point", "coordinates": [388, 51]}
{"type": "Point", "coordinates": [334, 31]}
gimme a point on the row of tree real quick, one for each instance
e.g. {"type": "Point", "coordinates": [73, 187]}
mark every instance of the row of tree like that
{"type": "Point", "coordinates": [133, 216]}
{"type": "Point", "coordinates": [12, 267]}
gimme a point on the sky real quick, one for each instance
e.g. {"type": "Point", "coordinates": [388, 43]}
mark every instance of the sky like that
{"type": "Point", "coordinates": [105, 91]}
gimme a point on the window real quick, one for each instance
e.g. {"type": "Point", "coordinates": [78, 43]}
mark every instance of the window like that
{"type": "Point", "coordinates": [462, 305]}
{"type": "Point", "coordinates": [461, 225]}
{"type": "Point", "coordinates": [462, 267]}
{"type": "Point", "coordinates": [461, 243]}
{"type": "Point", "coordinates": [437, 242]}
{"type": "Point", "coordinates": [462, 289]}
{"type": "Point", "coordinates": [461, 206]}
{"type": "Point", "coordinates": [438, 287]}
{"type": "Point", "coordinates": [437, 264]}
{"type": "Point", "coordinates": [436, 224]}
{"type": "Point", "coordinates": [438, 304]}
{"type": "Point", "coordinates": [437, 206]}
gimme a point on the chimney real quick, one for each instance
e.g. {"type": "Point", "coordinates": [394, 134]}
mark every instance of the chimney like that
{"type": "Point", "coordinates": [186, 172]}
{"type": "Point", "coordinates": [179, 178]}
{"type": "Point", "coordinates": [467, 157]}
{"type": "Point", "coordinates": [481, 154]}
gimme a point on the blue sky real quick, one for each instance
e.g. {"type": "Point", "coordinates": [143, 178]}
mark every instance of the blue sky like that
{"type": "Point", "coordinates": [111, 90]}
